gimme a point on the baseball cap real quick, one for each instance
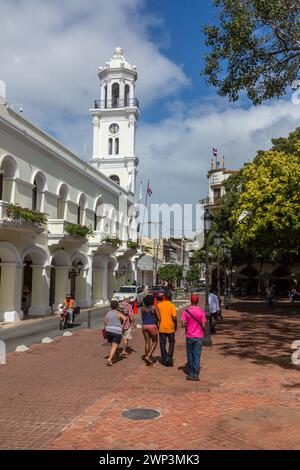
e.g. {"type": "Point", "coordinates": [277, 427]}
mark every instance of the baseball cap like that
{"type": "Point", "coordinates": [195, 298]}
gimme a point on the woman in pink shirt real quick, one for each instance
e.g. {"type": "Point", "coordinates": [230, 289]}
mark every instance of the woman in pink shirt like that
{"type": "Point", "coordinates": [194, 319]}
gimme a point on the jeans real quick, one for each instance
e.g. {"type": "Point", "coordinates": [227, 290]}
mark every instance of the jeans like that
{"type": "Point", "coordinates": [70, 315]}
{"type": "Point", "coordinates": [167, 356]}
{"type": "Point", "coordinates": [193, 352]}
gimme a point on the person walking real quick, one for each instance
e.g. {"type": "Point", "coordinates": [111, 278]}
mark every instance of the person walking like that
{"type": "Point", "coordinates": [167, 329]}
{"type": "Point", "coordinates": [150, 320]}
{"type": "Point", "coordinates": [113, 329]}
{"type": "Point", "coordinates": [194, 320]}
{"type": "Point", "coordinates": [125, 307]}
{"type": "Point", "coordinates": [214, 309]}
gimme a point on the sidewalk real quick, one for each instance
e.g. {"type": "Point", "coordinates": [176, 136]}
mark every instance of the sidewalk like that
{"type": "Point", "coordinates": [248, 397]}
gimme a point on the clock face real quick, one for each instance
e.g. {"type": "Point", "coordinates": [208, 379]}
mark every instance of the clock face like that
{"type": "Point", "coordinates": [114, 128]}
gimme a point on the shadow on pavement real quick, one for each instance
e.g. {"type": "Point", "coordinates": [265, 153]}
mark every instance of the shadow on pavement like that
{"type": "Point", "coordinates": [261, 334]}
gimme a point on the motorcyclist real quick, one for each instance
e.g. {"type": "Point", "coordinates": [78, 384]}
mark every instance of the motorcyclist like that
{"type": "Point", "coordinates": [69, 306]}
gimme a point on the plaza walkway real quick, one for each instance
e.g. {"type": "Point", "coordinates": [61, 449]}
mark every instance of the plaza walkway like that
{"type": "Point", "coordinates": [62, 395]}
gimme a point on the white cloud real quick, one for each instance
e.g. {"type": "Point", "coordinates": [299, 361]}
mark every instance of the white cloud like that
{"type": "Point", "coordinates": [50, 53]}
{"type": "Point", "coordinates": [176, 153]}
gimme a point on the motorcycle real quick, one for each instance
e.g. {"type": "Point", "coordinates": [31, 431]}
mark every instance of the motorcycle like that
{"type": "Point", "coordinates": [64, 321]}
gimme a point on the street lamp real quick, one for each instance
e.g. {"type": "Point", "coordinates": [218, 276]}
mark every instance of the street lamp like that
{"type": "Point", "coordinates": [208, 218]}
{"type": "Point", "coordinates": [218, 242]}
{"type": "Point", "coordinates": [226, 276]}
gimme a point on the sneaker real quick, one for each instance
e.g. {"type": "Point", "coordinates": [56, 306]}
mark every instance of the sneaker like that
{"type": "Point", "coordinates": [196, 378]}
{"type": "Point", "coordinates": [189, 377]}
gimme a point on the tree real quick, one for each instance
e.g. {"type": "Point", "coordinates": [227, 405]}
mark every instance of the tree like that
{"type": "Point", "coordinates": [171, 272]}
{"type": "Point", "coordinates": [254, 46]}
{"type": "Point", "coordinates": [194, 274]}
{"type": "Point", "coordinates": [271, 198]}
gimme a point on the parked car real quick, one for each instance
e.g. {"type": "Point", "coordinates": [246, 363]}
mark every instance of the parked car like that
{"type": "Point", "coordinates": [136, 293]}
{"type": "Point", "coordinates": [158, 291]}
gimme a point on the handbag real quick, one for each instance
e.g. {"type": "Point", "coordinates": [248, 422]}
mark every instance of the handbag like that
{"type": "Point", "coordinates": [104, 334]}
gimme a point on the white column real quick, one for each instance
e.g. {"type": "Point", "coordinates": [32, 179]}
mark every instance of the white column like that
{"type": "Point", "coordinates": [40, 290]}
{"type": "Point", "coordinates": [98, 285]}
{"type": "Point", "coordinates": [62, 284]}
{"type": "Point", "coordinates": [10, 292]}
{"type": "Point", "coordinates": [105, 284]}
{"type": "Point", "coordinates": [95, 136]}
{"type": "Point", "coordinates": [122, 90]}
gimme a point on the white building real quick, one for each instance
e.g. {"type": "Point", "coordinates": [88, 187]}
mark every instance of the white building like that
{"type": "Point", "coordinates": [36, 172]}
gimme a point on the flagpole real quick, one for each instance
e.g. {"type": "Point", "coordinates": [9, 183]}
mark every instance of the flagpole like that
{"type": "Point", "coordinates": [144, 213]}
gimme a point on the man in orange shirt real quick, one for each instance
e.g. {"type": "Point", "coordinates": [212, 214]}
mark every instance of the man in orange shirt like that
{"type": "Point", "coordinates": [167, 328]}
{"type": "Point", "coordinates": [69, 305]}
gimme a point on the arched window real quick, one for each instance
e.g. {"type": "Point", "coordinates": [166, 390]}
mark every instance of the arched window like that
{"type": "Point", "coordinates": [38, 189]}
{"type": "Point", "coordinates": [115, 178]}
{"type": "Point", "coordinates": [110, 146]}
{"type": "Point", "coordinates": [98, 215]}
{"type": "Point", "coordinates": [105, 97]}
{"type": "Point", "coordinates": [34, 196]}
{"type": "Point", "coordinates": [127, 95]}
{"type": "Point", "coordinates": [81, 210]}
{"type": "Point", "coordinates": [117, 146]}
{"type": "Point", "coordinates": [8, 171]}
{"type": "Point", "coordinates": [115, 95]}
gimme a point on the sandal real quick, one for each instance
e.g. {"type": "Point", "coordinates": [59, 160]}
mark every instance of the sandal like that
{"type": "Point", "coordinates": [108, 363]}
{"type": "Point", "coordinates": [148, 361]}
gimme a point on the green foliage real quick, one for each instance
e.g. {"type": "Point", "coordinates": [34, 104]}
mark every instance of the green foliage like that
{"type": "Point", "coordinates": [198, 257]}
{"type": "Point", "coordinates": [254, 45]}
{"type": "Point", "coordinates": [271, 194]}
{"type": "Point", "coordinates": [78, 231]}
{"type": "Point", "coordinates": [133, 245]}
{"type": "Point", "coordinates": [194, 274]}
{"type": "Point", "coordinates": [171, 272]}
{"type": "Point", "coordinates": [25, 215]}
{"type": "Point", "coordinates": [113, 241]}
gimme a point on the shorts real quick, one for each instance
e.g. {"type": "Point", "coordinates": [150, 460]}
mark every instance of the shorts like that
{"type": "Point", "coordinates": [127, 333]}
{"type": "Point", "coordinates": [152, 330]}
{"type": "Point", "coordinates": [113, 337]}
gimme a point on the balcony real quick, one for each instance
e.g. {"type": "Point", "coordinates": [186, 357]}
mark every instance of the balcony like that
{"type": "Point", "coordinates": [59, 232]}
{"type": "Point", "coordinates": [101, 244]}
{"type": "Point", "coordinates": [117, 103]}
{"type": "Point", "coordinates": [15, 217]}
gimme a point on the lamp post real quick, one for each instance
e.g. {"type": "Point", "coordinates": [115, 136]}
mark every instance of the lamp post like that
{"type": "Point", "coordinates": [207, 227]}
{"type": "Point", "coordinates": [218, 242]}
{"type": "Point", "coordinates": [226, 277]}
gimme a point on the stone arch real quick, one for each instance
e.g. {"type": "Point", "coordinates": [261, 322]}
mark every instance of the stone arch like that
{"type": "Point", "coordinates": [39, 183]}
{"type": "Point", "coordinates": [9, 253]}
{"type": "Point", "coordinates": [99, 214]}
{"type": "Point", "coordinates": [82, 204]}
{"type": "Point", "coordinates": [36, 279]}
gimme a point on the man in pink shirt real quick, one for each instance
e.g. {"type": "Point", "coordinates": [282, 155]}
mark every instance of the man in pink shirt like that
{"type": "Point", "coordinates": [194, 319]}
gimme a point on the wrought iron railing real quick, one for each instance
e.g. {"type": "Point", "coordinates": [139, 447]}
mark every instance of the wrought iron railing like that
{"type": "Point", "coordinates": [116, 103]}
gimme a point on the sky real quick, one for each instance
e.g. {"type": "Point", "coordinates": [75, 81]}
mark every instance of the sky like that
{"type": "Point", "coordinates": [49, 57]}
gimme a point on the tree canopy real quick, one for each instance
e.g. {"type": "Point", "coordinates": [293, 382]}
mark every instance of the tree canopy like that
{"type": "Point", "coordinates": [254, 46]}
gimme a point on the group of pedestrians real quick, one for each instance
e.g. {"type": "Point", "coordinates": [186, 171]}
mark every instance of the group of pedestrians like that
{"type": "Point", "coordinates": [159, 325]}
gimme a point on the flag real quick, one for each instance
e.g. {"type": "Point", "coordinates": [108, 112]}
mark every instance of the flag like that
{"type": "Point", "coordinates": [149, 190]}
{"type": "Point", "coordinates": [215, 152]}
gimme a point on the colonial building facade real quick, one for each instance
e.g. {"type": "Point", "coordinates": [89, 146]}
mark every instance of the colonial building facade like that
{"type": "Point", "coordinates": [82, 244]}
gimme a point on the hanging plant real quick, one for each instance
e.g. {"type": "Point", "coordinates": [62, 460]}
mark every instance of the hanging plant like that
{"type": "Point", "coordinates": [79, 231]}
{"type": "Point", "coordinates": [25, 215]}
{"type": "Point", "coordinates": [117, 242]}
{"type": "Point", "coordinates": [133, 245]}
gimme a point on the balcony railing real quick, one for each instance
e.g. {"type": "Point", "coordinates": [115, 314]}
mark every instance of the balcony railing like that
{"type": "Point", "coordinates": [116, 103]}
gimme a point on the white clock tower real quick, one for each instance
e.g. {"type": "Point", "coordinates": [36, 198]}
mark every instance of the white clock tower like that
{"type": "Point", "coordinates": [114, 122]}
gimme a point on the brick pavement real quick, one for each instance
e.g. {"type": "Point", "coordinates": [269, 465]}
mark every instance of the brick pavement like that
{"type": "Point", "coordinates": [62, 396]}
